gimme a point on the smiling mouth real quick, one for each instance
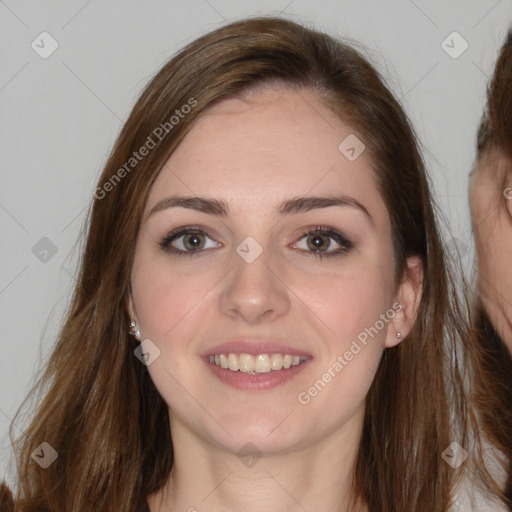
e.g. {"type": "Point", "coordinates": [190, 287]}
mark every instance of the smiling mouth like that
{"type": "Point", "coordinates": [255, 365]}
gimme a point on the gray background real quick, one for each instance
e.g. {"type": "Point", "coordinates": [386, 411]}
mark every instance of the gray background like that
{"type": "Point", "coordinates": [59, 117]}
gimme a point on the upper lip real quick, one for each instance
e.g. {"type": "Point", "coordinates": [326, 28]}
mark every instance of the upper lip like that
{"type": "Point", "coordinates": [254, 347]}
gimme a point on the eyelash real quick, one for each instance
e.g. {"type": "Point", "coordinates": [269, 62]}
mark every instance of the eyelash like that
{"type": "Point", "coordinates": [346, 245]}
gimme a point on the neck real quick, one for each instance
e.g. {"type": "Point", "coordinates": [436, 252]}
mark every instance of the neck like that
{"type": "Point", "coordinates": [205, 477]}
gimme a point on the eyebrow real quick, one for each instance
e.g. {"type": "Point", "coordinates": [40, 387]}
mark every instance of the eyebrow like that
{"type": "Point", "coordinates": [220, 208]}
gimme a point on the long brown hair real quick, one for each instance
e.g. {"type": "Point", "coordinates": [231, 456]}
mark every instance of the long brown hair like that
{"type": "Point", "coordinates": [494, 384]}
{"type": "Point", "coordinates": [98, 407]}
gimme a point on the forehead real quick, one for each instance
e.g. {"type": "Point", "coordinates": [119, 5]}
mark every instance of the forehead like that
{"type": "Point", "coordinates": [273, 143]}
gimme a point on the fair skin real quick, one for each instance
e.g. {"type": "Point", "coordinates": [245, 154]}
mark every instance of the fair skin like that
{"type": "Point", "coordinates": [254, 155]}
{"type": "Point", "coordinates": [491, 202]}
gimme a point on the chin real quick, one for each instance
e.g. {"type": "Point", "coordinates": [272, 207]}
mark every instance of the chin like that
{"type": "Point", "coordinates": [264, 434]}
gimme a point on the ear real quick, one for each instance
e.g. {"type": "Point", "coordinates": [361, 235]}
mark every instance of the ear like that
{"type": "Point", "coordinates": [134, 329]}
{"type": "Point", "coordinates": [407, 302]}
{"type": "Point", "coordinates": [131, 307]}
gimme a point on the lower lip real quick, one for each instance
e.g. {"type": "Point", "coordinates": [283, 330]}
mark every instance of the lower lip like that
{"type": "Point", "coordinates": [258, 382]}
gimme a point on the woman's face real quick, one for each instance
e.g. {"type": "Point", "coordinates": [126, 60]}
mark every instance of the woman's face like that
{"type": "Point", "coordinates": [238, 271]}
{"type": "Point", "coordinates": [491, 213]}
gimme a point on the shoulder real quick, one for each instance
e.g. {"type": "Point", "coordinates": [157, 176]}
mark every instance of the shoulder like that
{"type": "Point", "coordinates": [6, 499]}
{"type": "Point", "coordinates": [470, 495]}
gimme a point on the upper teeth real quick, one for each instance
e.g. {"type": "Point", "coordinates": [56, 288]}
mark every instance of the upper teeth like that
{"type": "Point", "coordinates": [262, 363]}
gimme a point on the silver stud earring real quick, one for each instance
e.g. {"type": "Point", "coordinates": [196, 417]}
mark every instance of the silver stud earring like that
{"type": "Point", "coordinates": [134, 330]}
{"type": "Point", "coordinates": [398, 335]}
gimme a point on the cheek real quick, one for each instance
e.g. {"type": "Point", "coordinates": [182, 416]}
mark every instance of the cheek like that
{"type": "Point", "coordinates": [484, 196]}
{"type": "Point", "coordinates": [494, 247]}
{"type": "Point", "coordinates": [353, 350]}
{"type": "Point", "coordinates": [360, 298]}
{"type": "Point", "coordinates": [168, 308]}
{"type": "Point", "coordinates": [352, 298]}
{"type": "Point", "coordinates": [164, 299]}
{"type": "Point", "coordinates": [493, 240]}
{"type": "Point", "coordinates": [355, 309]}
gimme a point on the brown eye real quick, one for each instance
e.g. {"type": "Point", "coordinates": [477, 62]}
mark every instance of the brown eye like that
{"type": "Point", "coordinates": [193, 241]}
{"type": "Point", "coordinates": [318, 242]}
{"type": "Point", "coordinates": [322, 241]}
{"type": "Point", "coordinates": [187, 241]}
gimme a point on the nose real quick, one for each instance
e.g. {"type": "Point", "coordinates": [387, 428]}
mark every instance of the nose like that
{"type": "Point", "coordinates": [254, 292]}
